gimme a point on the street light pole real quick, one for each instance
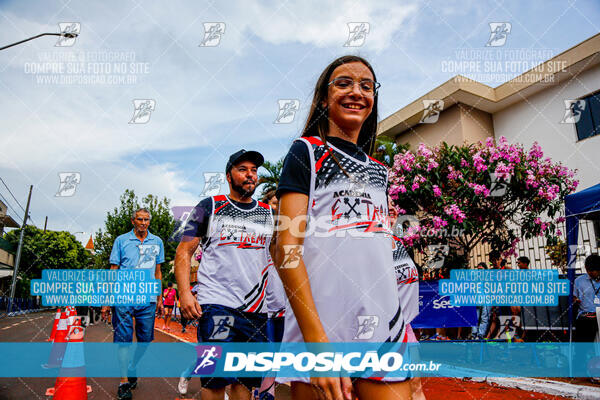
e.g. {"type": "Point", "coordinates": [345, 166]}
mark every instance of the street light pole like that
{"type": "Point", "coordinates": [19, 251]}
{"type": "Point", "coordinates": [68, 35]}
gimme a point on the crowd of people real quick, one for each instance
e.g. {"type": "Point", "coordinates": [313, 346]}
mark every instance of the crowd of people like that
{"type": "Point", "coordinates": [300, 282]}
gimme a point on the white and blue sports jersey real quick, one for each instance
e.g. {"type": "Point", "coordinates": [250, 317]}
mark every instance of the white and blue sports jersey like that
{"type": "Point", "coordinates": [234, 270]}
{"type": "Point", "coordinates": [347, 250]}
{"type": "Point", "coordinates": [407, 279]}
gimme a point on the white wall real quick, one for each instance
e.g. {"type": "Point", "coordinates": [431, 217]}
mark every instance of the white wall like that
{"type": "Point", "coordinates": [538, 117]}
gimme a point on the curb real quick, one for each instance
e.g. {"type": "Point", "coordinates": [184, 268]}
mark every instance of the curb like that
{"type": "Point", "coordinates": [172, 335]}
{"type": "Point", "coordinates": [539, 385]}
{"type": "Point", "coordinates": [546, 386]}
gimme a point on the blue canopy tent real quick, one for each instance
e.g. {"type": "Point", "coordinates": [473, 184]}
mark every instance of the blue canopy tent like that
{"type": "Point", "coordinates": [581, 205]}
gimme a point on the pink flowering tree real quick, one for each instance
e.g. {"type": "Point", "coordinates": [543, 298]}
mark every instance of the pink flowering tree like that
{"type": "Point", "coordinates": [480, 193]}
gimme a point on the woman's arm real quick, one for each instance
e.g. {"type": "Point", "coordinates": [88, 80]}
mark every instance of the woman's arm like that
{"type": "Point", "coordinates": [287, 257]}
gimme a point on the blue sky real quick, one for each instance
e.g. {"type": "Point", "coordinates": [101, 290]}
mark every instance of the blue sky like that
{"type": "Point", "coordinates": [211, 101]}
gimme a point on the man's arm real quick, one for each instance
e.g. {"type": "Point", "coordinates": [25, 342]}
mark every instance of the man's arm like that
{"type": "Point", "coordinates": [196, 227]}
{"type": "Point", "coordinates": [576, 293]}
{"type": "Point", "coordinates": [190, 308]}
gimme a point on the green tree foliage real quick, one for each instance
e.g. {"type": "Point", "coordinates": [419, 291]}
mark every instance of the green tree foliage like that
{"type": "Point", "coordinates": [485, 192]}
{"type": "Point", "coordinates": [271, 178]}
{"type": "Point", "coordinates": [118, 222]}
{"type": "Point", "coordinates": [386, 149]}
{"type": "Point", "coordinates": [49, 250]}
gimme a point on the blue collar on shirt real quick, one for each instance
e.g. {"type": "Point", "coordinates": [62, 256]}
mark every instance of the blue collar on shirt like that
{"type": "Point", "coordinates": [149, 238]}
{"type": "Point", "coordinates": [595, 285]}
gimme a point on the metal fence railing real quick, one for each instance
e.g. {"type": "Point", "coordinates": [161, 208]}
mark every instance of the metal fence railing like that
{"type": "Point", "coordinates": [535, 250]}
{"type": "Point", "coordinates": [20, 306]}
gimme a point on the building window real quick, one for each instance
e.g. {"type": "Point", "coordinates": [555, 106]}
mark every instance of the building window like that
{"type": "Point", "coordinates": [589, 122]}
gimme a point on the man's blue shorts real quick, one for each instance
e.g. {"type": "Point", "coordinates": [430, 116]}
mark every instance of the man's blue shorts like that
{"type": "Point", "coordinates": [275, 329]}
{"type": "Point", "coordinates": [225, 324]}
{"type": "Point", "coordinates": [122, 321]}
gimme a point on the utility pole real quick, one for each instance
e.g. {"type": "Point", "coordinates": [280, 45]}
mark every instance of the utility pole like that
{"type": "Point", "coordinates": [45, 223]}
{"type": "Point", "coordinates": [19, 251]}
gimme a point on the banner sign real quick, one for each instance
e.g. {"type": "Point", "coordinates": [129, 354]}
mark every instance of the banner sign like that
{"type": "Point", "coordinates": [435, 311]}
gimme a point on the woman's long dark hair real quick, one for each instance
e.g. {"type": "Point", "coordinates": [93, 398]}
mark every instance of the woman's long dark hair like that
{"type": "Point", "coordinates": [317, 123]}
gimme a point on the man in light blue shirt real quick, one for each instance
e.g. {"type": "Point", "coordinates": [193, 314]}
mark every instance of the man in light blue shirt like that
{"type": "Point", "coordinates": [587, 294]}
{"type": "Point", "coordinates": [136, 249]}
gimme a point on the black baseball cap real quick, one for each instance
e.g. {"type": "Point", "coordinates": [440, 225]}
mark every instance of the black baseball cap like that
{"type": "Point", "coordinates": [244, 155]}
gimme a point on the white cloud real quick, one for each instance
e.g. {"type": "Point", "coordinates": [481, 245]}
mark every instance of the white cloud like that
{"type": "Point", "coordinates": [324, 23]}
{"type": "Point", "coordinates": [205, 97]}
{"type": "Point", "coordinates": [98, 192]}
{"type": "Point", "coordinates": [90, 122]}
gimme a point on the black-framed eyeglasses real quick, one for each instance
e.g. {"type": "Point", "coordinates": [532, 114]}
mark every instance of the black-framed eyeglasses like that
{"type": "Point", "coordinates": [368, 87]}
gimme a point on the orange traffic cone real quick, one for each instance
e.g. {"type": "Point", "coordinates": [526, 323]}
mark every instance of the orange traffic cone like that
{"type": "Point", "coordinates": [59, 344]}
{"type": "Point", "coordinates": [72, 313]}
{"type": "Point", "coordinates": [72, 384]}
{"type": "Point", "coordinates": [54, 326]}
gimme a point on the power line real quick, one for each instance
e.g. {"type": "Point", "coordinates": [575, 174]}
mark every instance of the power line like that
{"type": "Point", "coordinates": [13, 196]}
{"type": "Point", "coordinates": [9, 205]}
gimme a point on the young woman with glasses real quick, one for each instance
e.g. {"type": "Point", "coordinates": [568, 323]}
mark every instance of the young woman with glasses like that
{"type": "Point", "coordinates": [337, 270]}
